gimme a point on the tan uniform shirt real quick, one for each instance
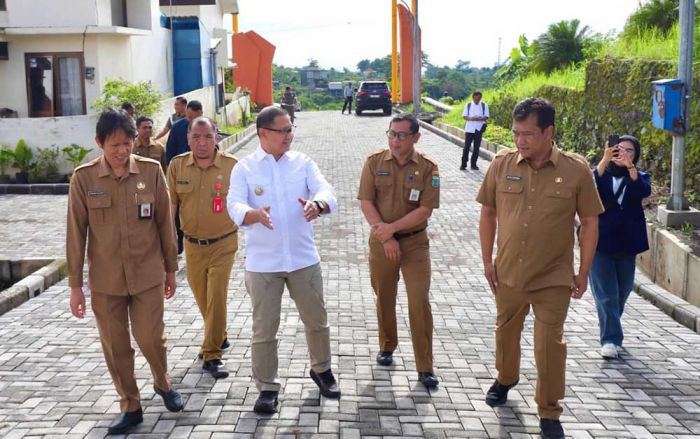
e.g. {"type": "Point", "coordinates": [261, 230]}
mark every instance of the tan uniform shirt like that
{"type": "Point", "coordinates": [535, 214]}
{"type": "Point", "coordinates": [127, 225]}
{"type": "Point", "coordinates": [153, 150]}
{"type": "Point", "coordinates": [397, 190]}
{"type": "Point", "coordinates": [197, 190]}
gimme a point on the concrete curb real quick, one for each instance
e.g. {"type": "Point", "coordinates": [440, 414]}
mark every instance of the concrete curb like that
{"type": "Point", "coordinates": [249, 133]}
{"type": "Point", "coordinates": [34, 189]}
{"type": "Point", "coordinates": [678, 309]}
{"type": "Point", "coordinates": [32, 285]}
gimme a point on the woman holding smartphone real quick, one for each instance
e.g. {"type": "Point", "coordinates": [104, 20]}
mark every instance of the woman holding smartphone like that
{"type": "Point", "coordinates": [622, 235]}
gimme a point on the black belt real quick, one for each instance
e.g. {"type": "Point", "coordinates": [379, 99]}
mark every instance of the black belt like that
{"type": "Point", "coordinates": [207, 241]}
{"type": "Point", "coordinates": [398, 236]}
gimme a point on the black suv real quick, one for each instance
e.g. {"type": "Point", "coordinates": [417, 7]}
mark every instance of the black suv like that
{"type": "Point", "coordinates": [373, 95]}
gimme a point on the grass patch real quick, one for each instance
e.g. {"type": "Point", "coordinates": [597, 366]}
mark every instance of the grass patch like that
{"type": "Point", "coordinates": [232, 129]}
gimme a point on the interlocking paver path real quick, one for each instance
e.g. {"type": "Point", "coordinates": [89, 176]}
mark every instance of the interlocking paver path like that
{"type": "Point", "coordinates": [53, 381]}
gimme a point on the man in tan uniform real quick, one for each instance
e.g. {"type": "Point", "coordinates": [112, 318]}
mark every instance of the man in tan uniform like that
{"type": "Point", "coordinates": [531, 194]}
{"type": "Point", "coordinates": [119, 204]}
{"type": "Point", "coordinates": [199, 183]}
{"type": "Point", "coordinates": [399, 189]}
{"type": "Point", "coordinates": [145, 145]}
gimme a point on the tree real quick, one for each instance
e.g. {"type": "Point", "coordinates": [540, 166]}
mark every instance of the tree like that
{"type": "Point", "coordinates": [463, 66]}
{"type": "Point", "coordinates": [518, 62]}
{"type": "Point", "coordinates": [563, 44]}
{"type": "Point", "coordinates": [363, 65]}
{"type": "Point", "coordinates": [654, 14]}
{"type": "Point", "coordinates": [145, 98]}
{"type": "Point", "coordinates": [313, 63]}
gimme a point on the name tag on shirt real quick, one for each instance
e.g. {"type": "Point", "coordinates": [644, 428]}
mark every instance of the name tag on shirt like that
{"type": "Point", "coordinates": [414, 195]}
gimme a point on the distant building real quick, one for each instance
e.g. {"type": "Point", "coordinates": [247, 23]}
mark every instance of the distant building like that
{"type": "Point", "coordinates": [312, 76]}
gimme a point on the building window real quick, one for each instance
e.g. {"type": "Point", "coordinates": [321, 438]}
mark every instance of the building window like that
{"type": "Point", "coordinates": [3, 6]}
{"type": "Point", "coordinates": [55, 84]}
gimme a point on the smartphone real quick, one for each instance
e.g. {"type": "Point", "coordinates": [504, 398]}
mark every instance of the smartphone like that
{"type": "Point", "coordinates": [613, 140]}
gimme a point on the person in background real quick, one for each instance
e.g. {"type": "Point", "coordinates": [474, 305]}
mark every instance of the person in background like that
{"type": "Point", "coordinates": [145, 145]}
{"type": "Point", "coordinates": [475, 114]}
{"type": "Point", "coordinates": [347, 94]}
{"type": "Point", "coordinates": [623, 235]}
{"type": "Point", "coordinates": [180, 105]}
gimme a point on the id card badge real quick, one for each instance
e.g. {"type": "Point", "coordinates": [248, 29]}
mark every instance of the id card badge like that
{"type": "Point", "coordinates": [414, 195]}
{"type": "Point", "coordinates": [218, 206]}
{"type": "Point", "coordinates": [146, 211]}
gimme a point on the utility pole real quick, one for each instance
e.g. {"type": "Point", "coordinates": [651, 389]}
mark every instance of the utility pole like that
{"type": "Point", "coordinates": [498, 63]}
{"type": "Point", "coordinates": [676, 211]}
{"type": "Point", "coordinates": [416, 60]}
{"type": "Point", "coordinates": [394, 56]}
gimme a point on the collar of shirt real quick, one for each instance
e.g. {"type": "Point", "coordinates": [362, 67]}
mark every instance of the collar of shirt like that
{"type": "Point", "coordinates": [553, 156]}
{"type": "Point", "coordinates": [151, 142]}
{"type": "Point", "coordinates": [389, 156]}
{"type": "Point", "coordinates": [189, 161]}
{"type": "Point", "coordinates": [105, 170]}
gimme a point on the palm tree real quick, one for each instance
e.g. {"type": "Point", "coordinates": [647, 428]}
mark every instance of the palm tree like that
{"type": "Point", "coordinates": [563, 44]}
{"type": "Point", "coordinates": [654, 14]}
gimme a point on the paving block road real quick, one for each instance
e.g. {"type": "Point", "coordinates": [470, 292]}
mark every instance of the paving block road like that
{"type": "Point", "coordinates": [54, 383]}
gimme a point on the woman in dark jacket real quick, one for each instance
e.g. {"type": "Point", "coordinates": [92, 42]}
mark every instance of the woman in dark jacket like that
{"type": "Point", "coordinates": [622, 235]}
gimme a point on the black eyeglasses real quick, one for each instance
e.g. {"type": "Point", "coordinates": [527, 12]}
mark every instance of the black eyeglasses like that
{"type": "Point", "coordinates": [284, 131]}
{"type": "Point", "coordinates": [402, 135]}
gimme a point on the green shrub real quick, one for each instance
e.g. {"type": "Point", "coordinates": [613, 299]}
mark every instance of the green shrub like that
{"type": "Point", "coordinates": [145, 98]}
{"type": "Point", "coordinates": [6, 158]}
{"type": "Point", "coordinates": [23, 157]}
{"type": "Point", "coordinates": [45, 167]}
{"type": "Point", "coordinates": [75, 154]}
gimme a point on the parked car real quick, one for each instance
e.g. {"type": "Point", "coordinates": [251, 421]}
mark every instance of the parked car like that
{"type": "Point", "coordinates": [373, 95]}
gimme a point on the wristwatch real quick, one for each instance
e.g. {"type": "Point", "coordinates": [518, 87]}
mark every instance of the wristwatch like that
{"type": "Point", "coordinates": [321, 205]}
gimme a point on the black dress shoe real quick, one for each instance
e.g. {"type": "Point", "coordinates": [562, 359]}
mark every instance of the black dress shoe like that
{"type": "Point", "coordinates": [474, 168]}
{"type": "Point", "coordinates": [385, 358]}
{"type": "Point", "coordinates": [498, 393]}
{"type": "Point", "coordinates": [267, 402]}
{"type": "Point", "coordinates": [551, 429]}
{"type": "Point", "coordinates": [171, 399]}
{"type": "Point", "coordinates": [215, 368]}
{"type": "Point", "coordinates": [462, 168]}
{"type": "Point", "coordinates": [428, 379]}
{"type": "Point", "coordinates": [125, 421]}
{"type": "Point", "coordinates": [326, 382]}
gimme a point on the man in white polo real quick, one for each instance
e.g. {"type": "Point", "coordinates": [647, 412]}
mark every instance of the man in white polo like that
{"type": "Point", "coordinates": [475, 114]}
{"type": "Point", "coordinates": [274, 195]}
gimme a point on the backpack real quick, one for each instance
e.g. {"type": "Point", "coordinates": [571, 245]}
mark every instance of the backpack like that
{"type": "Point", "coordinates": [483, 110]}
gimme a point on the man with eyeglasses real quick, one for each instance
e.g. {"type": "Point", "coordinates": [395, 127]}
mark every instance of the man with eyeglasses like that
{"type": "Point", "coordinates": [530, 196]}
{"type": "Point", "coordinates": [145, 145]}
{"type": "Point", "coordinates": [275, 195]}
{"type": "Point", "coordinates": [199, 182]}
{"type": "Point", "coordinates": [399, 188]}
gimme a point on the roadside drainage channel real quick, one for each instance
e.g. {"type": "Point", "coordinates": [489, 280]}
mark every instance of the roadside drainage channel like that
{"type": "Point", "coordinates": [27, 278]}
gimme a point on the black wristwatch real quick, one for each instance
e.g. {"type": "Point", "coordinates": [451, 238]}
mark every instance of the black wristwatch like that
{"type": "Point", "coordinates": [321, 205]}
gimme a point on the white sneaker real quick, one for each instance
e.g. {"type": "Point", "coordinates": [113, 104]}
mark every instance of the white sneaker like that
{"type": "Point", "coordinates": [608, 351]}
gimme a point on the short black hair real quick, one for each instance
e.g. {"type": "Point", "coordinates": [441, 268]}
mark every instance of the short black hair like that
{"type": "Point", "coordinates": [142, 119]}
{"type": "Point", "coordinates": [477, 93]}
{"type": "Point", "coordinates": [111, 121]}
{"type": "Point", "coordinates": [267, 116]}
{"type": "Point", "coordinates": [407, 117]}
{"type": "Point", "coordinates": [195, 106]}
{"type": "Point", "coordinates": [201, 120]}
{"type": "Point", "coordinates": [542, 108]}
{"type": "Point", "coordinates": [181, 99]}
{"type": "Point", "coordinates": [126, 105]}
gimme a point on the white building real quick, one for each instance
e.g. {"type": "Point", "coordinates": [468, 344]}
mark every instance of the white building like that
{"type": "Point", "coordinates": [56, 55]}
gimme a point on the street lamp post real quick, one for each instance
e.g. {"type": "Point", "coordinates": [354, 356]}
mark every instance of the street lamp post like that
{"type": "Point", "coordinates": [416, 60]}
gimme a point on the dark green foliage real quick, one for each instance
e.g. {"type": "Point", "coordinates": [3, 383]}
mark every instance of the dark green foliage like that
{"type": "Point", "coordinates": [653, 14]}
{"type": "Point", "coordinates": [563, 44]}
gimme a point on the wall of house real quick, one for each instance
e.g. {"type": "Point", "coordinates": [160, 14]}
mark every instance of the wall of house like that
{"type": "Point", "coordinates": [44, 13]}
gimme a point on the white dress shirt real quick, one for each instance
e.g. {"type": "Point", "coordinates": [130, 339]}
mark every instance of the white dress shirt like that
{"type": "Point", "coordinates": [258, 181]}
{"type": "Point", "coordinates": [471, 109]}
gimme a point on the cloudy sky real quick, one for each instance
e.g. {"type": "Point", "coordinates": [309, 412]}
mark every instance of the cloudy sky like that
{"type": "Point", "coordinates": [341, 33]}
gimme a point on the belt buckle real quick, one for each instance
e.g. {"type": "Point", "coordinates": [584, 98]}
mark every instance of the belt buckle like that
{"type": "Point", "coordinates": [202, 242]}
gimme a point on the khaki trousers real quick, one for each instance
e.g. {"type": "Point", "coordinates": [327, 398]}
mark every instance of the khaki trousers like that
{"type": "Point", "coordinates": [145, 310]}
{"type": "Point", "coordinates": [550, 306]}
{"type": "Point", "coordinates": [208, 273]}
{"type": "Point", "coordinates": [414, 264]}
{"type": "Point", "coordinates": [306, 289]}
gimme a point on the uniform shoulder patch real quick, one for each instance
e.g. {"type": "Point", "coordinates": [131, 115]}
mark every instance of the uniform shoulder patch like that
{"type": "Point", "coordinates": [230, 157]}
{"type": "Point", "coordinates": [184, 154]}
{"type": "Point", "coordinates": [429, 159]}
{"type": "Point", "coordinates": [505, 151]}
{"type": "Point", "coordinates": [89, 164]}
{"type": "Point", "coordinates": [376, 153]}
{"type": "Point", "coordinates": [140, 158]}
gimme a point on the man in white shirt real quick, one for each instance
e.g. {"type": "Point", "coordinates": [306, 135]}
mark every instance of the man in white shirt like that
{"type": "Point", "coordinates": [347, 94]}
{"type": "Point", "coordinates": [274, 195]}
{"type": "Point", "coordinates": [475, 114]}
